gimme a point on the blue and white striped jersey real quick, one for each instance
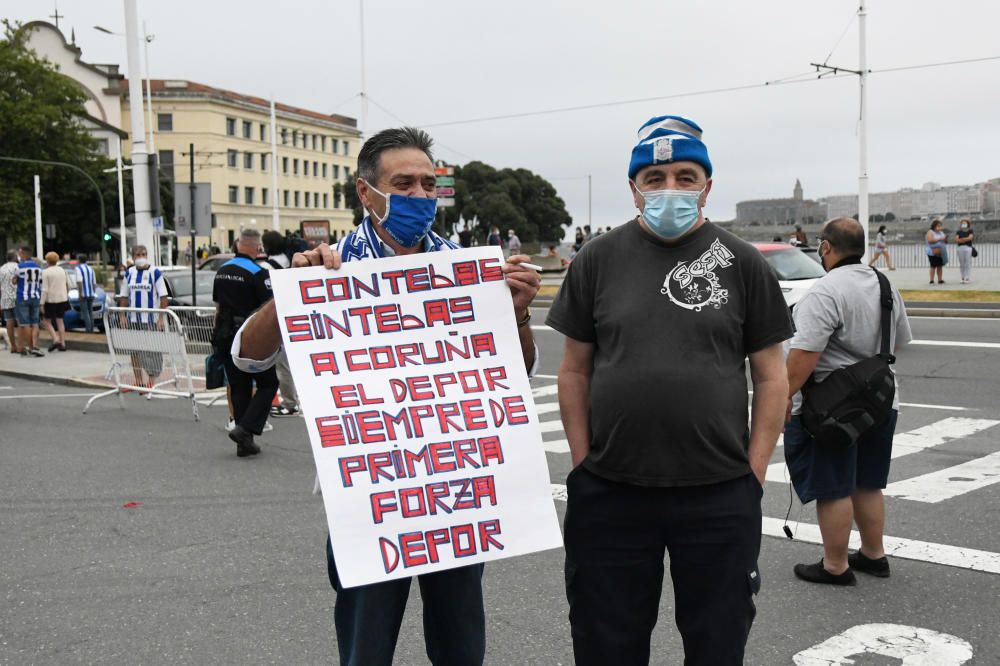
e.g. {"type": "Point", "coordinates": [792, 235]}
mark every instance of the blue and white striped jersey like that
{"type": "Point", "coordinates": [143, 287]}
{"type": "Point", "coordinates": [86, 281]}
{"type": "Point", "coordinates": [29, 281]}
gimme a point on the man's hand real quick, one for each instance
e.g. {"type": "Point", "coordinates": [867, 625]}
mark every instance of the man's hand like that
{"type": "Point", "coordinates": [322, 255]}
{"type": "Point", "coordinates": [523, 283]}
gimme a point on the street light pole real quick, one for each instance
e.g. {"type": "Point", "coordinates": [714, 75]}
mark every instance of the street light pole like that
{"type": "Point", "coordinates": [38, 216]}
{"type": "Point", "coordinates": [123, 246]}
{"type": "Point", "coordinates": [140, 165]}
{"type": "Point", "coordinates": [275, 217]}
{"type": "Point", "coordinates": [863, 128]}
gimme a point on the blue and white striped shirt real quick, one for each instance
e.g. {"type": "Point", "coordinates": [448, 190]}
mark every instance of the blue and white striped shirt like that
{"type": "Point", "coordinates": [143, 287]}
{"type": "Point", "coordinates": [29, 281]}
{"type": "Point", "coordinates": [86, 281]}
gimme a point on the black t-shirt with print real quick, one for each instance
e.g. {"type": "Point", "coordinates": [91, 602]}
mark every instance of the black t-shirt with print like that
{"type": "Point", "coordinates": [671, 327]}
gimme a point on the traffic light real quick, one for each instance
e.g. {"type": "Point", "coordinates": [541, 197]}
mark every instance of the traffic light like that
{"type": "Point", "coordinates": [107, 236]}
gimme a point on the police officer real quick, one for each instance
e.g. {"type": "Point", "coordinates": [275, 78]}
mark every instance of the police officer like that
{"type": "Point", "coordinates": [241, 286]}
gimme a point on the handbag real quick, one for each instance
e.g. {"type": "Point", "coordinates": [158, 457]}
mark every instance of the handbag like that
{"type": "Point", "coordinates": [854, 399]}
{"type": "Point", "coordinates": [975, 252]}
{"type": "Point", "coordinates": [215, 372]}
{"type": "Point", "coordinates": [936, 251]}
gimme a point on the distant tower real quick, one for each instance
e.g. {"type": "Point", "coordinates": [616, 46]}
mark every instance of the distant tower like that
{"type": "Point", "coordinates": [797, 192]}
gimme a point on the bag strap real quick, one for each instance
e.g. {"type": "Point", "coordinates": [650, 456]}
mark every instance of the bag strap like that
{"type": "Point", "coordinates": [885, 300]}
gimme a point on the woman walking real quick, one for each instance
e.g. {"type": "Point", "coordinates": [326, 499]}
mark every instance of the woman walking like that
{"type": "Point", "coordinates": [937, 250]}
{"type": "Point", "coordinates": [963, 239]}
{"type": "Point", "coordinates": [881, 249]}
{"type": "Point", "coordinates": [55, 301]}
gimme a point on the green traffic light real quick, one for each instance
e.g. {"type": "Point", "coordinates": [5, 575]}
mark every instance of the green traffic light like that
{"type": "Point", "coordinates": [107, 236]}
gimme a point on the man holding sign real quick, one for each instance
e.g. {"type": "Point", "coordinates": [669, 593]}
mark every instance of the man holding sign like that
{"type": "Point", "coordinates": [397, 186]}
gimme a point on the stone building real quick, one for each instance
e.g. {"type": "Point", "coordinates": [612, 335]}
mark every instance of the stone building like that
{"type": "Point", "coordinates": [793, 210]}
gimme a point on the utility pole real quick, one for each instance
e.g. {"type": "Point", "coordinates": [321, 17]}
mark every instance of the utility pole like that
{"type": "Point", "coordinates": [364, 86]}
{"type": "Point", "coordinates": [121, 205]}
{"type": "Point", "coordinates": [862, 73]}
{"type": "Point", "coordinates": [38, 216]}
{"type": "Point", "coordinates": [275, 216]}
{"type": "Point", "coordinates": [140, 164]}
{"type": "Point", "coordinates": [590, 221]}
{"type": "Point", "coordinates": [192, 189]}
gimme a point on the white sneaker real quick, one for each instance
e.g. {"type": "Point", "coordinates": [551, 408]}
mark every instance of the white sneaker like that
{"type": "Point", "coordinates": [230, 425]}
{"type": "Point", "coordinates": [267, 426]}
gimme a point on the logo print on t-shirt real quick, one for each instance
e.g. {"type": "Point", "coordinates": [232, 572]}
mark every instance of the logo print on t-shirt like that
{"type": "Point", "coordinates": [694, 286]}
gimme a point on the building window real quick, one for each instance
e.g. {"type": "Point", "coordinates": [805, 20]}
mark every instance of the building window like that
{"type": "Point", "coordinates": [247, 129]}
{"type": "Point", "coordinates": [234, 194]}
{"type": "Point", "coordinates": [296, 198]}
{"type": "Point", "coordinates": [101, 147]}
{"type": "Point", "coordinates": [315, 168]}
{"type": "Point", "coordinates": [334, 144]}
{"type": "Point", "coordinates": [326, 200]}
{"type": "Point", "coordinates": [284, 196]}
{"type": "Point", "coordinates": [336, 201]}
{"type": "Point", "coordinates": [336, 172]}
{"type": "Point", "coordinates": [164, 122]}
{"type": "Point", "coordinates": [295, 166]}
{"type": "Point", "coordinates": [347, 173]}
{"type": "Point", "coordinates": [295, 138]}
{"type": "Point", "coordinates": [322, 143]}
{"type": "Point", "coordinates": [166, 163]}
{"type": "Point", "coordinates": [263, 132]}
{"type": "Point", "coordinates": [263, 196]}
{"type": "Point", "coordinates": [263, 161]}
{"type": "Point", "coordinates": [307, 199]}
{"type": "Point", "coordinates": [247, 160]}
{"type": "Point", "coordinates": [231, 158]}
{"type": "Point", "coordinates": [324, 169]}
{"type": "Point", "coordinates": [305, 167]}
{"type": "Point", "coordinates": [248, 196]}
{"type": "Point", "coordinates": [231, 126]}
{"type": "Point", "coordinates": [347, 148]}
{"type": "Point", "coordinates": [284, 165]}
{"type": "Point", "coordinates": [284, 136]}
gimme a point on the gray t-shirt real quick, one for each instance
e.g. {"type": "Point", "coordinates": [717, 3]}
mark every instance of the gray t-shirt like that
{"type": "Point", "coordinates": [671, 328]}
{"type": "Point", "coordinates": [841, 317]}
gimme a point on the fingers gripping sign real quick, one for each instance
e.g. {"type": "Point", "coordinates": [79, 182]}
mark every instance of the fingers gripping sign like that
{"type": "Point", "coordinates": [322, 255]}
{"type": "Point", "coordinates": [523, 281]}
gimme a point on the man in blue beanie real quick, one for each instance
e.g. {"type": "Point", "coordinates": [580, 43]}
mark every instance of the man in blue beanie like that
{"type": "Point", "coordinates": [660, 315]}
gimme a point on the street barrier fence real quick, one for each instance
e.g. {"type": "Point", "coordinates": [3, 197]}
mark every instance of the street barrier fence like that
{"type": "Point", "coordinates": [158, 352]}
{"type": "Point", "coordinates": [914, 255]}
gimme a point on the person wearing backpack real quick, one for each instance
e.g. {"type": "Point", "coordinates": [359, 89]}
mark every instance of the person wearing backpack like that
{"type": "Point", "coordinates": [839, 326]}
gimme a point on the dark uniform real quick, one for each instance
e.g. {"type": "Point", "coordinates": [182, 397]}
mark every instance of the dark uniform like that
{"type": "Point", "coordinates": [241, 286]}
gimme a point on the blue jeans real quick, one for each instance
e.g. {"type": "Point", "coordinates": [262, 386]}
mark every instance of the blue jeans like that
{"type": "Point", "coordinates": [87, 312]}
{"type": "Point", "coordinates": [368, 617]}
{"type": "Point", "coordinates": [26, 312]}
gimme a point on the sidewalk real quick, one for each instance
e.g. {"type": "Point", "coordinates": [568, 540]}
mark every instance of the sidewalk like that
{"type": "Point", "coordinates": [75, 368]}
{"type": "Point", "coordinates": [983, 279]}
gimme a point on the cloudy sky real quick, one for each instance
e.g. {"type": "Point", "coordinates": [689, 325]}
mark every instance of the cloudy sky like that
{"type": "Point", "coordinates": [438, 62]}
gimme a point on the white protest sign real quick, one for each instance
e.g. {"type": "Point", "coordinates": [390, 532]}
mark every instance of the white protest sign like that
{"type": "Point", "coordinates": [422, 424]}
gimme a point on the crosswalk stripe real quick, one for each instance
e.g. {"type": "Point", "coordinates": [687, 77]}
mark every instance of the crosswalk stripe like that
{"type": "Point", "coordinates": [950, 482]}
{"type": "Point", "coordinates": [906, 549]}
{"type": "Point", "coordinates": [913, 441]}
{"type": "Point", "coordinates": [547, 407]}
{"type": "Point", "coordinates": [556, 446]}
{"type": "Point", "coordinates": [542, 391]}
{"type": "Point", "coordinates": [555, 425]}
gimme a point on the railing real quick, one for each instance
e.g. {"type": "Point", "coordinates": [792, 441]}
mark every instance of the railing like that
{"type": "Point", "coordinates": [914, 255]}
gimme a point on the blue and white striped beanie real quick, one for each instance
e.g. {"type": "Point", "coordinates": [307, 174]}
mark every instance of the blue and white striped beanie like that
{"type": "Point", "coordinates": [666, 139]}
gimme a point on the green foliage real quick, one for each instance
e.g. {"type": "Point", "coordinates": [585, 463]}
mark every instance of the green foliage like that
{"type": "Point", "coordinates": [40, 111]}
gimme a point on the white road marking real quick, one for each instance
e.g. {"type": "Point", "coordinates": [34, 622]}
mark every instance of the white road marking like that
{"type": "Point", "coordinates": [47, 395]}
{"type": "Point", "coordinates": [6, 388]}
{"type": "Point", "coordinates": [992, 320]}
{"type": "Point", "coordinates": [956, 343]}
{"type": "Point", "coordinates": [556, 446]}
{"type": "Point", "coordinates": [914, 441]}
{"type": "Point", "coordinates": [553, 425]}
{"type": "Point", "coordinates": [921, 405]}
{"type": "Point", "coordinates": [541, 327]}
{"type": "Point", "coordinates": [906, 549]}
{"type": "Point", "coordinates": [541, 391]}
{"type": "Point", "coordinates": [914, 646]}
{"type": "Point", "coordinates": [546, 377]}
{"type": "Point", "coordinates": [951, 482]}
{"type": "Point", "coordinates": [547, 407]}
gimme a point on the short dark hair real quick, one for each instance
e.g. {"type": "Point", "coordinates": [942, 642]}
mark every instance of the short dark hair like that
{"type": "Point", "coordinates": [274, 242]}
{"type": "Point", "coordinates": [26, 249]}
{"type": "Point", "coordinates": [845, 235]}
{"type": "Point", "coordinates": [82, 258]}
{"type": "Point", "coordinates": [935, 223]}
{"type": "Point", "coordinates": [12, 255]}
{"type": "Point", "coordinates": [369, 159]}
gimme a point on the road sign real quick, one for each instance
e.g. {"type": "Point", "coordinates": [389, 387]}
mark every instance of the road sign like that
{"type": "Point", "coordinates": [446, 181]}
{"type": "Point", "coordinates": [158, 223]}
{"type": "Point", "coordinates": [445, 202]}
{"type": "Point", "coordinates": [202, 212]}
{"type": "Point", "coordinates": [444, 171]}
{"type": "Point", "coordinates": [445, 192]}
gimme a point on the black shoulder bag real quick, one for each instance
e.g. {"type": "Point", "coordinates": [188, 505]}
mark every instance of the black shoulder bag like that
{"type": "Point", "coordinates": [853, 400]}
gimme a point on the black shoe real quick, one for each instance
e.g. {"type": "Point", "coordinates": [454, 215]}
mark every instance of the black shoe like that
{"type": "Point", "coordinates": [861, 562]}
{"type": "Point", "coordinates": [54, 346]}
{"type": "Point", "coordinates": [815, 573]}
{"type": "Point", "coordinates": [62, 347]}
{"type": "Point", "coordinates": [245, 445]}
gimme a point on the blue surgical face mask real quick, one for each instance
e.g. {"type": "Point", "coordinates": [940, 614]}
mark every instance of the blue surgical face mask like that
{"type": "Point", "coordinates": [670, 213]}
{"type": "Point", "coordinates": [407, 219]}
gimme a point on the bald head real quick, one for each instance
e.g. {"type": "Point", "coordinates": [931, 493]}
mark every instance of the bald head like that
{"type": "Point", "coordinates": [845, 236]}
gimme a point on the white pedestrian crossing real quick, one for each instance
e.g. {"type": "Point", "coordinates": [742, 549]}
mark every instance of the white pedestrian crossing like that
{"type": "Point", "coordinates": [950, 482]}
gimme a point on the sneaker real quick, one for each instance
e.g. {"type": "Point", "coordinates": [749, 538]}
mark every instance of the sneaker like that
{"type": "Point", "coordinates": [861, 562]}
{"type": "Point", "coordinates": [230, 425]}
{"type": "Point", "coordinates": [35, 351]}
{"type": "Point", "coordinates": [815, 573]}
{"type": "Point", "coordinates": [267, 427]}
{"type": "Point", "coordinates": [281, 410]}
{"type": "Point", "coordinates": [245, 445]}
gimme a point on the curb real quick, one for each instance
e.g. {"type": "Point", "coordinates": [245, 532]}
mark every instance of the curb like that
{"type": "Point", "coordinates": [53, 379]}
{"type": "Point", "coordinates": [946, 312]}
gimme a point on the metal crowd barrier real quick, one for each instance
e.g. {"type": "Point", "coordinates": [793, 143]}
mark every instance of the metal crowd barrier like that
{"type": "Point", "coordinates": [149, 355]}
{"type": "Point", "coordinates": [914, 255]}
{"type": "Point", "coordinates": [197, 324]}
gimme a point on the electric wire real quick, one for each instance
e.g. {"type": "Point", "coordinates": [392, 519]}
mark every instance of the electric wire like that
{"type": "Point", "coordinates": [394, 116]}
{"type": "Point", "coordinates": [840, 39]}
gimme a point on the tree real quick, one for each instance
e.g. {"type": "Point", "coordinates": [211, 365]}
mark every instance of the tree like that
{"type": "Point", "coordinates": [40, 112]}
{"type": "Point", "coordinates": [890, 216]}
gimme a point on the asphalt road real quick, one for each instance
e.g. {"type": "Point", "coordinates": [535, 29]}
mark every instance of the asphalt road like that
{"type": "Point", "coordinates": [136, 536]}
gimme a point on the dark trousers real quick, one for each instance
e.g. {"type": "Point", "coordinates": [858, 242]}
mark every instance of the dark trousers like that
{"type": "Point", "coordinates": [87, 312]}
{"type": "Point", "coordinates": [250, 409]}
{"type": "Point", "coordinates": [368, 617]}
{"type": "Point", "coordinates": [615, 537]}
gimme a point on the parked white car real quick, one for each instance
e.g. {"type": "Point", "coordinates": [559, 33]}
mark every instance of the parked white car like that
{"type": "Point", "coordinates": [795, 270]}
